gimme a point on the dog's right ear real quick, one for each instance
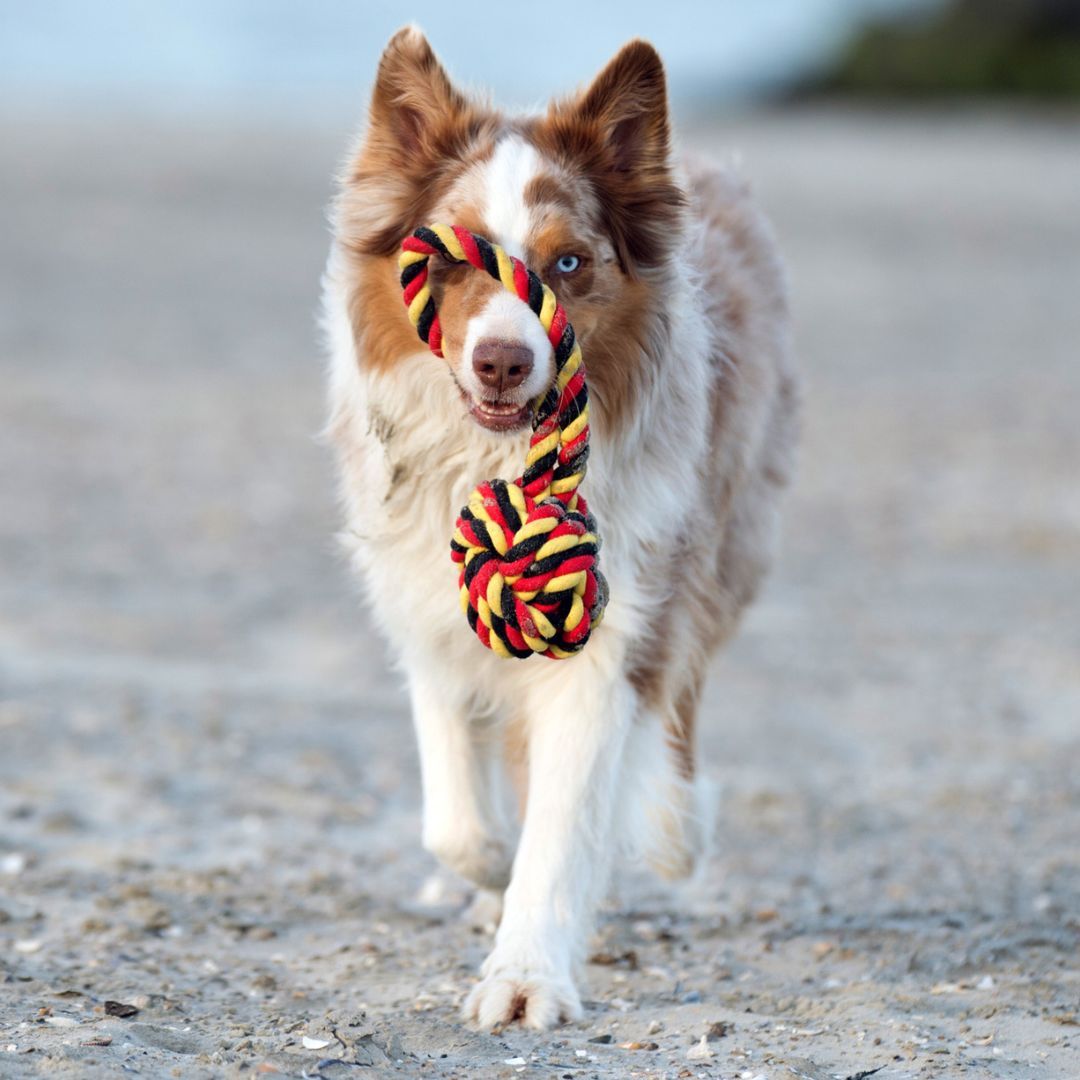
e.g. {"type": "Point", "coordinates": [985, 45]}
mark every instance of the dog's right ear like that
{"type": "Point", "coordinates": [414, 107]}
{"type": "Point", "coordinates": [419, 122]}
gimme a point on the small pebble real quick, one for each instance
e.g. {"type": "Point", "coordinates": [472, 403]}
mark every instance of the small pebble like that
{"type": "Point", "coordinates": [12, 863]}
{"type": "Point", "coordinates": [604, 1039]}
{"type": "Point", "coordinates": [700, 1051]}
{"type": "Point", "coordinates": [315, 1044]}
{"type": "Point", "coordinates": [692, 997]}
{"type": "Point", "coordinates": [119, 1008]}
{"type": "Point", "coordinates": [655, 1027]}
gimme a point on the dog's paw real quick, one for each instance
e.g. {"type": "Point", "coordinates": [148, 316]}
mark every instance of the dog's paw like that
{"type": "Point", "coordinates": [484, 911]}
{"type": "Point", "coordinates": [539, 1000]}
{"type": "Point", "coordinates": [483, 859]}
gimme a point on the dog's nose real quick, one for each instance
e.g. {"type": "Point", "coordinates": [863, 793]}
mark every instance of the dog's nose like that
{"type": "Point", "coordinates": [501, 364]}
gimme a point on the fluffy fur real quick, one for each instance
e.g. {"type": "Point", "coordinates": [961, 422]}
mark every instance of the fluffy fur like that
{"type": "Point", "coordinates": [678, 300]}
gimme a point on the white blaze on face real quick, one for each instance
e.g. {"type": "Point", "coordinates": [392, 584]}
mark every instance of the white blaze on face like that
{"type": "Point", "coordinates": [504, 178]}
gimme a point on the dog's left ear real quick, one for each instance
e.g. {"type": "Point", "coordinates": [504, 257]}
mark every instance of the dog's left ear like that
{"type": "Point", "coordinates": [628, 101]}
{"type": "Point", "coordinates": [619, 132]}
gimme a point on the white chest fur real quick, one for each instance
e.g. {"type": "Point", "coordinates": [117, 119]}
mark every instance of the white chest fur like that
{"type": "Point", "coordinates": [410, 456]}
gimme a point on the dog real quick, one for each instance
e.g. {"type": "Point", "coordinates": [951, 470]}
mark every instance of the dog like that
{"type": "Point", "coordinates": [672, 281]}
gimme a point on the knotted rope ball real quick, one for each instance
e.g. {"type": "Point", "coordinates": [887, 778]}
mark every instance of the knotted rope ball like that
{"type": "Point", "coordinates": [527, 549]}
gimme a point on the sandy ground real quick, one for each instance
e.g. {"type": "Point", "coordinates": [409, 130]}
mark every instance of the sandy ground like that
{"type": "Point", "coordinates": [209, 800]}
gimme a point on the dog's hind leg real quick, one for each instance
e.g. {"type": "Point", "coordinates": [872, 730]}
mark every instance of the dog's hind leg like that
{"type": "Point", "coordinates": [666, 803]}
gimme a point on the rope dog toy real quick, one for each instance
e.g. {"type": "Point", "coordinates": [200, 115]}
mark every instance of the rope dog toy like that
{"type": "Point", "coordinates": [528, 549]}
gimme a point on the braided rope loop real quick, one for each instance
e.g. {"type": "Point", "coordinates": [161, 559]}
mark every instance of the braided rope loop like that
{"type": "Point", "coordinates": [528, 549]}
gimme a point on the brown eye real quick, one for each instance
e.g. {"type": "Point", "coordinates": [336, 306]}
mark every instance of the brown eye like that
{"type": "Point", "coordinates": [446, 273]}
{"type": "Point", "coordinates": [567, 264]}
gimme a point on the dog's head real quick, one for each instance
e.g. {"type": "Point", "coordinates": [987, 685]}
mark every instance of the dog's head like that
{"type": "Point", "coordinates": [583, 195]}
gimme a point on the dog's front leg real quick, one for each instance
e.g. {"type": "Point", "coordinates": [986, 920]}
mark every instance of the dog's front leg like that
{"type": "Point", "coordinates": [577, 724]}
{"type": "Point", "coordinates": [465, 822]}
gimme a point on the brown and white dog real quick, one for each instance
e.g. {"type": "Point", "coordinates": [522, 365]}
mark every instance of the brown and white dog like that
{"type": "Point", "coordinates": [672, 282]}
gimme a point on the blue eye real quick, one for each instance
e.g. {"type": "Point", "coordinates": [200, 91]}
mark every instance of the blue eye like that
{"type": "Point", "coordinates": [567, 264]}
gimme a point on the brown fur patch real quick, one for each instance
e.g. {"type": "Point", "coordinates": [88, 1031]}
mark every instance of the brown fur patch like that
{"type": "Point", "coordinates": [556, 237]}
{"type": "Point", "coordinates": [469, 292]}
{"type": "Point", "coordinates": [651, 672]}
{"type": "Point", "coordinates": [680, 728]}
{"type": "Point", "coordinates": [623, 337]}
{"type": "Point", "coordinates": [383, 334]}
{"type": "Point", "coordinates": [547, 190]}
{"type": "Point", "coordinates": [617, 134]}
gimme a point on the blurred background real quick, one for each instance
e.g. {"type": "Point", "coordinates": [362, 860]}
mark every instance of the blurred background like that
{"type": "Point", "coordinates": [273, 56]}
{"type": "Point", "coordinates": [196, 716]}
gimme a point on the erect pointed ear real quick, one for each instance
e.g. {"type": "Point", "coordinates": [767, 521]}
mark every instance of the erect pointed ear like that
{"type": "Point", "coordinates": [618, 131]}
{"type": "Point", "coordinates": [628, 101]}
{"type": "Point", "coordinates": [414, 105]}
{"type": "Point", "coordinates": [419, 125]}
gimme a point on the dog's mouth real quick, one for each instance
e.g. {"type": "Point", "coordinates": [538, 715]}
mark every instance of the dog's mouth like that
{"type": "Point", "coordinates": [497, 415]}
